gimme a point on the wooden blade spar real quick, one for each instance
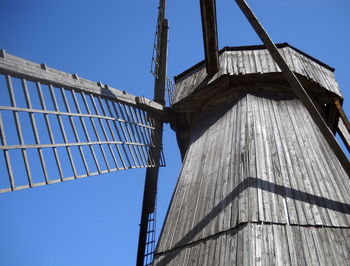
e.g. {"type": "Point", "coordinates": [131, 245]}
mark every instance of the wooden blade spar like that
{"type": "Point", "coordinates": [80, 128]}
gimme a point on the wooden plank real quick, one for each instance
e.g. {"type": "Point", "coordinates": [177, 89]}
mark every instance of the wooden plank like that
{"type": "Point", "coordinates": [344, 133]}
{"type": "Point", "coordinates": [257, 61]}
{"type": "Point", "coordinates": [297, 113]}
{"type": "Point", "coordinates": [201, 253]}
{"type": "Point", "coordinates": [212, 173]}
{"type": "Point", "coordinates": [20, 109]}
{"type": "Point", "coordinates": [291, 154]}
{"type": "Point", "coordinates": [234, 246]}
{"type": "Point", "coordinates": [240, 244]}
{"type": "Point", "coordinates": [205, 147]}
{"type": "Point", "coordinates": [221, 153]}
{"type": "Point", "coordinates": [249, 69]}
{"type": "Point", "coordinates": [180, 196]}
{"type": "Point", "coordinates": [226, 201]}
{"type": "Point", "coordinates": [263, 167]}
{"type": "Point", "coordinates": [321, 252]}
{"type": "Point", "coordinates": [235, 157]}
{"type": "Point", "coordinates": [296, 86]}
{"type": "Point", "coordinates": [271, 249]}
{"type": "Point", "coordinates": [223, 201]}
{"type": "Point", "coordinates": [32, 71]}
{"type": "Point", "coordinates": [276, 203]}
{"type": "Point", "coordinates": [175, 208]}
{"type": "Point", "coordinates": [259, 163]}
{"type": "Point", "coordinates": [242, 164]}
{"type": "Point", "coordinates": [246, 240]}
{"type": "Point", "coordinates": [224, 248]}
{"type": "Point", "coordinates": [279, 248]}
{"type": "Point", "coordinates": [335, 186]}
{"type": "Point", "coordinates": [279, 163]}
{"type": "Point", "coordinates": [305, 141]}
{"type": "Point", "coordinates": [253, 214]}
{"type": "Point", "coordinates": [258, 244]}
{"type": "Point", "coordinates": [190, 217]}
{"type": "Point", "coordinates": [285, 161]}
{"type": "Point", "coordinates": [300, 249]}
{"type": "Point", "coordinates": [290, 248]}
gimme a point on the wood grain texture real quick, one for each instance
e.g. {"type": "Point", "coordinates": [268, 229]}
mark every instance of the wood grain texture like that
{"type": "Point", "coordinates": [281, 245]}
{"type": "Point", "coordinates": [258, 178]}
{"type": "Point", "coordinates": [251, 61]}
{"type": "Point", "coordinates": [11, 64]}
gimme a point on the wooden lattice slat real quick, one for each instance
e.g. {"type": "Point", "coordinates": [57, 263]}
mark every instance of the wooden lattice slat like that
{"type": "Point", "coordinates": [75, 131]}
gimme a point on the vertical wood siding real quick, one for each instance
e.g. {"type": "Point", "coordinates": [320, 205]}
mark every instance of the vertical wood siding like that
{"type": "Point", "coordinates": [260, 159]}
{"type": "Point", "coordinates": [258, 61]}
{"type": "Point", "coordinates": [268, 244]}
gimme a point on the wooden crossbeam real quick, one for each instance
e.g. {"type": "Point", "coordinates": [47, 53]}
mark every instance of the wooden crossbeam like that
{"type": "Point", "coordinates": [210, 36]}
{"type": "Point", "coordinates": [41, 72]}
{"type": "Point", "coordinates": [295, 85]}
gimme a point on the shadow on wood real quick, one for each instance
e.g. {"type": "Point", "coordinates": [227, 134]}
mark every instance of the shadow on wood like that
{"type": "Point", "coordinates": [253, 182]}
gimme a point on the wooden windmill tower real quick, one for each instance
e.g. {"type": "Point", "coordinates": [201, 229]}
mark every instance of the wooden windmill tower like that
{"type": "Point", "coordinates": [259, 184]}
{"type": "Point", "coordinates": [263, 179]}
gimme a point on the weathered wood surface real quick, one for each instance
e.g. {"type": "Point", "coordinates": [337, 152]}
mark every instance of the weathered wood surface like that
{"type": "Point", "coordinates": [295, 84]}
{"type": "Point", "coordinates": [74, 133]}
{"type": "Point", "coordinates": [266, 244]}
{"type": "Point", "coordinates": [210, 35]}
{"type": "Point", "coordinates": [344, 133]}
{"type": "Point", "coordinates": [252, 161]}
{"type": "Point", "coordinates": [256, 59]}
{"type": "Point", "coordinates": [10, 64]}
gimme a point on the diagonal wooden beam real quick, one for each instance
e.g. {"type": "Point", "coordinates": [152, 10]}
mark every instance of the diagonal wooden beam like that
{"type": "Point", "coordinates": [344, 133]}
{"type": "Point", "coordinates": [210, 36]}
{"type": "Point", "coordinates": [295, 85]}
{"type": "Point", "coordinates": [343, 125]}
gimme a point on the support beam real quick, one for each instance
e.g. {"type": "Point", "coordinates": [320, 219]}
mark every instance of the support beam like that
{"type": "Point", "coordinates": [343, 125]}
{"type": "Point", "coordinates": [295, 85]}
{"type": "Point", "coordinates": [160, 82]}
{"type": "Point", "coordinates": [151, 181]}
{"type": "Point", "coordinates": [210, 36]}
{"type": "Point", "coordinates": [21, 68]}
{"type": "Point", "coordinates": [344, 134]}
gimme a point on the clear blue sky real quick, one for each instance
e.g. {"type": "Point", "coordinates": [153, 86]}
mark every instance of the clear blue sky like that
{"type": "Point", "coordinates": [94, 221]}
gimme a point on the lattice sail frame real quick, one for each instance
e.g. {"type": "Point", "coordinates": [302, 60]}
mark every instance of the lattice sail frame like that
{"type": "Point", "coordinates": [55, 126]}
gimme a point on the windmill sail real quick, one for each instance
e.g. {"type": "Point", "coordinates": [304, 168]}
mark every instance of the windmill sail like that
{"type": "Point", "coordinates": [55, 126]}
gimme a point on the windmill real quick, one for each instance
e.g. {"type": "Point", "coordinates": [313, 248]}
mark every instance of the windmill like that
{"type": "Point", "coordinates": [140, 102]}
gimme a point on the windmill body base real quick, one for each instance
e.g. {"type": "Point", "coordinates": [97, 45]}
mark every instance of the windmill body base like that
{"type": "Point", "coordinates": [259, 185]}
